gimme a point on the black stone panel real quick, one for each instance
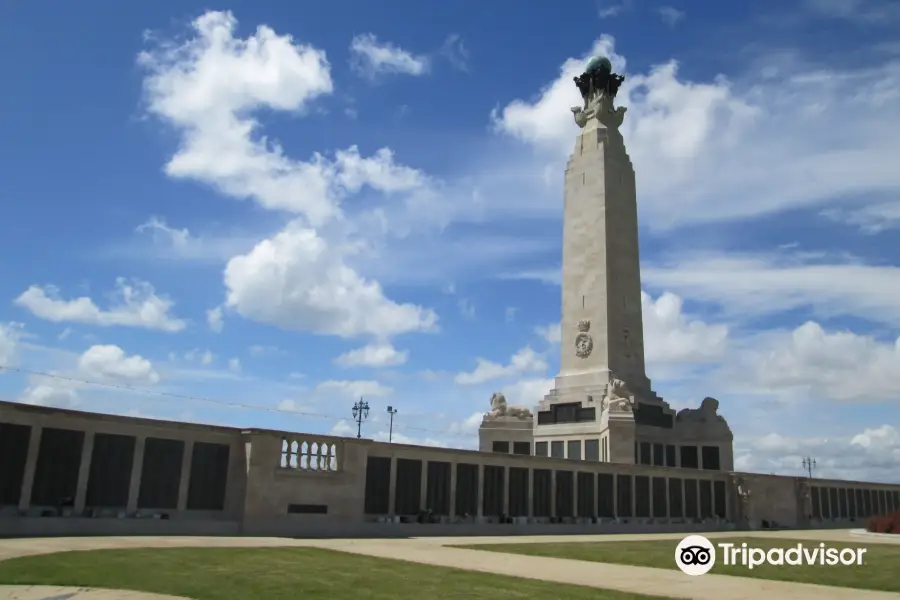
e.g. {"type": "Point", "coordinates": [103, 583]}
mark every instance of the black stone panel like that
{"type": "Point", "coordinates": [56, 472]}
{"type": "Point", "coordinates": [586, 503]}
{"type": "Point", "coordinates": [623, 496]}
{"type": "Point", "coordinates": [653, 416]}
{"type": "Point", "coordinates": [14, 441]}
{"type": "Point", "coordinates": [882, 501]}
{"type": "Point", "coordinates": [710, 455]}
{"type": "Point", "coordinates": [466, 490]}
{"type": "Point", "coordinates": [690, 499]}
{"type": "Point", "coordinates": [676, 498]}
{"type": "Point", "coordinates": [896, 499]}
{"type": "Point", "coordinates": [542, 492]}
{"type": "Point", "coordinates": [606, 499]}
{"type": "Point", "coordinates": [209, 476]}
{"type": "Point", "coordinates": [522, 448]}
{"type": "Point", "coordinates": [492, 502]}
{"type": "Point", "coordinates": [867, 501]}
{"type": "Point", "coordinates": [660, 502]}
{"type": "Point", "coordinates": [689, 457]}
{"type": "Point", "coordinates": [408, 488]}
{"type": "Point", "coordinates": [518, 492]}
{"type": "Point", "coordinates": [706, 508]}
{"type": "Point", "coordinates": [646, 453]}
{"type": "Point", "coordinates": [641, 496]}
{"type": "Point", "coordinates": [851, 503]}
{"type": "Point", "coordinates": [557, 449]}
{"type": "Point", "coordinates": [816, 502]}
{"type": "Point", "coordinates": [826, 503]}
{"type": "Point", "coordinates": [573, 450]}
{"type": "Point", "coordinates": [110, 474]}
{"type": "Point", "coordinates": [565, 494]}
{"type": "Point", "coordinates": [378, 486]}
{"type": "Point", "coordinates": [842, 503]}
{"type": "Point", "coordinates": [720, 506]}
{"type": "Point", "coordinates": [670, 455]}
{"type": "Point", "coordinates": [592, 450]}
{"type": "Point", "coordinates": [160, 473]}
{"type": "Point", "coordinates": [437, 484]}
{"type": "Point", "coordinates": [833, 500]}
{"type": "Point", "coordinates": [860, 504]}
{"type": "Point", "coordinates": [659, 455]}
{"type": "Point", "coordinates": [540, 448]}
{"type": "Point", "coordinates": [501, 447]}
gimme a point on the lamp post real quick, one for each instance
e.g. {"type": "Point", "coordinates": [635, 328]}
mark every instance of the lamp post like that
{"type": "Point", "coordinates": [391, 411]}
{"type": "Point", "coordinates": [809, 464]}
{"type": "Point", "coordinates": [360, 413]}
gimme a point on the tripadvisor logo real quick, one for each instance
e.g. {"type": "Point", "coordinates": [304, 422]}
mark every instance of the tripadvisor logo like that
{"type": "Point", "coordinates": [696, 555]}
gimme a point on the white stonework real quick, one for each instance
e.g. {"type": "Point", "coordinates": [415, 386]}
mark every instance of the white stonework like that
{"type": "Point", "coordinates": [602, 348]}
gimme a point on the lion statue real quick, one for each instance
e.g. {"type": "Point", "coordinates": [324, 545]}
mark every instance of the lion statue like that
{"type": "Point", "coordinates": [618, 397]}
{"type": "Point", "coordinates": [500, 408]}
{"type": "Point", "coordinates": [708, 412]}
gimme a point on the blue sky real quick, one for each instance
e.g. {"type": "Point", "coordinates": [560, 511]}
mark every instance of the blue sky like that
{"type": "Point", "coordinates": [257, 213]}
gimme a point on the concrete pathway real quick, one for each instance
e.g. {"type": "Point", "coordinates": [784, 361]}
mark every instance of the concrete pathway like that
{"type": "Point", "coordinates": [434, 551]}
{"type": "Point", "coordinates": [45, 592]}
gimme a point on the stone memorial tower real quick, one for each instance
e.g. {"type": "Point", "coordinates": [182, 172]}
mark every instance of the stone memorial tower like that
{"type": "Point", "coordinates": [602, 406]}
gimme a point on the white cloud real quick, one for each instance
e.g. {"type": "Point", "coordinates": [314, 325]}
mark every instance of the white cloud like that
{"type": "Point", "coordinates": [526, 392]}
{"type": "Point", "coordinates": [752, 285]}
{"type": "Point", "coordinates": [693, 139]}
{"type": "Point", "coordinates": [10, 334]}
{"type": "Point", "coordinates": [234, 365]}
{"type": "Point", "coordinates": [466, 308]}
{"type": "Point", "coordinates": [454, 51]}
{"type": "Point", "coordinates": [817, 364]}
{"type": "Point", "coordinates": [204, 357]}
{"type": "Point", "coordinates": [50, 394]}
{"type": "Point", "coordinates": [215, 320]}
{"type": "Point", "coordinates": [880, 12]}
{"type": "Point", "coordinates": [134, 305]}
{"type": "Point", "coordinates": [871, 219]}
{"type": "Point", "coordinates": [871, 455]}
{"type": "Point", "coordinates": [510, 314]}
{"type": "Point", "coordinates": [111, 364]}
{"type": "Point", "coordinates": [670, 15]}
{"type": "Point", "coordinates": [351, 389]}
{"type": "Point", "coordinates": [65, 333]}
{"type": "Point", "coordinates": [551, 333]}
{"type": "Point", "coordinates": [613, 9]}
{"type": "Point", "coordinates": [372, 58]}
{"type": "Point", "coordinates": [525, 360]}
{"type": "Point", "coordinates": [671, 337]}
{"type": "Point", "coordinates": [295, 281]}
{"type": "Point", "coordinates": [373, 355]}
{"type": "Point", "coordinates": [169, 243]}
{"type": "Point", "coordinates": [208, 87]}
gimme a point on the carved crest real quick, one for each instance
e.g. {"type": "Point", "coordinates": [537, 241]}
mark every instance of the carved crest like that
{"type": "Point", "coordinates": [584, 325]}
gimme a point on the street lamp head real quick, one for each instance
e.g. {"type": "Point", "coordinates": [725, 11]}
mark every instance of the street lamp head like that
{"type": "Point", "coordinates": [355, 410]}
{"type": "Point", "coordinates": [365, 409]}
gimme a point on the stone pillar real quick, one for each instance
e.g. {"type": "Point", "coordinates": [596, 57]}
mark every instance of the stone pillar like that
{"type": "Point", "coordinates": [34, 446]}
{"type": "Point", "coordinates": [84, 471]}
{"type": "Point", "coordinates": [480, 512]}
{"type": "Point", "coordinates": [392, 488]}
{"type": "Point", "coordinates": [185, 483]}
{"type": "Point", "coordinates": [137, 469]}
{"type": "Point", "coordinates": [453, 489]}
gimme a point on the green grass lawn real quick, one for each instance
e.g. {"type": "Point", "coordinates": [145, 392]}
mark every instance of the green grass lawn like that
{"type": "Point", "coordinates": [879, 571]}
{"type": "Point", "coordinates": [279, 573]}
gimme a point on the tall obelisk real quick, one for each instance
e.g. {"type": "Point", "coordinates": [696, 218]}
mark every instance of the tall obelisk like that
{"type": "Point", "coordinates": [602, 352]}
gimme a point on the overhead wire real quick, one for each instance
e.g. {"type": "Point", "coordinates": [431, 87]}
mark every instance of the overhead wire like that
{"type": "Point", "coordinates": [219, 402]}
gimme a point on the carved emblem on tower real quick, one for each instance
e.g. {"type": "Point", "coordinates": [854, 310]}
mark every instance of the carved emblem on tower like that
{"type": "Point", "coordinates": [584, 343]}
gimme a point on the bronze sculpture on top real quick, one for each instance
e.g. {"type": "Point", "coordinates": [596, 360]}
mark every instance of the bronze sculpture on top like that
{"type": "Point", "coordinates": [598, 86]}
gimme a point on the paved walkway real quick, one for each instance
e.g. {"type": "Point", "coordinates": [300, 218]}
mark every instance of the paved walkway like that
{"type": "Point", "coordinates": [434, 551]}
{"type": "Point", "coordinates": [45, 592]}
